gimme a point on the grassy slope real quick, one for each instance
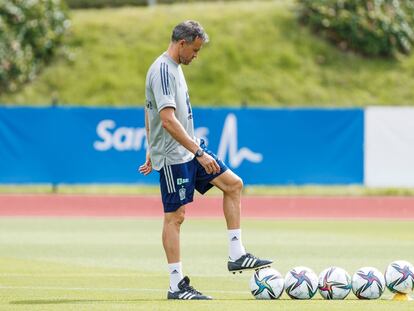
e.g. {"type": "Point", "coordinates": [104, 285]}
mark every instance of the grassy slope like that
{"type": "Point", "coordinates": [257, 54]}
{"type": "Point", "coordinates": [118, 264]}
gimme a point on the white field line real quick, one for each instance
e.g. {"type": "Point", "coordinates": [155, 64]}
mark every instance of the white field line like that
{"type": "Point", "coordinates": [106, 289]}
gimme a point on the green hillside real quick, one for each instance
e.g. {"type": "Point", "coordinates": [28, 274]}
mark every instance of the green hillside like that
{"type": "Point", "coordinates": [258, 54]}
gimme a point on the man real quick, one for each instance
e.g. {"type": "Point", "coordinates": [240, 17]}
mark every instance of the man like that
{"type": "Point", "coordinates": [184, 162]}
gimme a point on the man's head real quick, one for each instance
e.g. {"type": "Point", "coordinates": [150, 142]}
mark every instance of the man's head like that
{"type": "Point", "coordinates": [188, 38]}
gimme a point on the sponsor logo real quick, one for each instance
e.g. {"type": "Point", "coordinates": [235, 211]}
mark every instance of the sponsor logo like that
{"type": "Point", "coordinates": [120, 139]}
{"type": "Point", "coordinates": [229, 144]}
{"type": "Point", "coordinates": [134, 139]}
{"type": "Point", "coordinates": [181, 181]}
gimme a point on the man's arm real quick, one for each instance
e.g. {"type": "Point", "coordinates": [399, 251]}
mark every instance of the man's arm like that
{"type": "Point", "coordinates": [146, 168]}
{"type": "Point", "coordinates": [176, 130]}
{"type": "Point", "coordinates": [147, 128]}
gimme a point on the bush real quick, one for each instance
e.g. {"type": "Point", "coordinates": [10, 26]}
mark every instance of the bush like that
{"type": "Point", "coordinates": [30, 32]}
{"type": "Point", "coordinates": [371, 27]}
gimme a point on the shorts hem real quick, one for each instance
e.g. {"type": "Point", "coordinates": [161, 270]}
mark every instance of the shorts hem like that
{"type": "Point", "coordinates": [208, 186]}
{"type": "Point", "coordinates": [171, 208]}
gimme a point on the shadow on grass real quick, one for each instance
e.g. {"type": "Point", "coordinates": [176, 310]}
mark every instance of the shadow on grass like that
{"type": "Point", "coordinates": [75, 301]}
{"type": "Point", "coordinates": [87, 301]}
{"type": "Point", "coordinates": [120, 301]}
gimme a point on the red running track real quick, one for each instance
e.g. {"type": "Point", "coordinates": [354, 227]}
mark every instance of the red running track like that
{"type": "Point", "coordinates": [252, 206]}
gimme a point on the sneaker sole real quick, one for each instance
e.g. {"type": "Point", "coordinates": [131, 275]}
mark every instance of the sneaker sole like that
{"type": "Point", "coordinates": [176, 298]}
{"type": "Point", "coordinates": [253, 268]}
{"type": "Point", "coordinates": [189, 299]}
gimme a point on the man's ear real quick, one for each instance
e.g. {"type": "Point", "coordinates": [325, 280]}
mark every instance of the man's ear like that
{"type": "Point", "coordinates": [182, 42]}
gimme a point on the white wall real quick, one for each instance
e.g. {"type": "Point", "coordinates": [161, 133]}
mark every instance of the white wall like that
{"type": "Point", "coordinates": [389, 147]}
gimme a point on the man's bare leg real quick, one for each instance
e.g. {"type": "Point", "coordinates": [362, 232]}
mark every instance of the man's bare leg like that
{"type": "Point", "coordinates": [171, 234]}
{"type": "Point", "coordinates": [232, 186]}
{"type": "Point", "coordinates": [239, 260]}
{"type": "Point", "coordinates": [171, 243]}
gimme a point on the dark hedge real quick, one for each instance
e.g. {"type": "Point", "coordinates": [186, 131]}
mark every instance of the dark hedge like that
{"type": "Point", "coordinates": [30, 33]}
{"type": "Point", "coordinates": [371, 27]}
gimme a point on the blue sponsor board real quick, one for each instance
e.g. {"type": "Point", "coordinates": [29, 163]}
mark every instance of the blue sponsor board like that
{"type": "Point", "coordinates": [263, 146]}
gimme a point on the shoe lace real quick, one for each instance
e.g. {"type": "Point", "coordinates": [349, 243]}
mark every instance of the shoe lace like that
{"type": "Point", "coordinates": [251, 256]}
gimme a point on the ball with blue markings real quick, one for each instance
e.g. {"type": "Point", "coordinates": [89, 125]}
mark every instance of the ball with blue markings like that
{"type": "Point", "coordinates": [399, 277]}
{"type": "Point", "coordinates": [301, 283]}
{"type": "Point", "coordinates": [368, 283]}
{"type": "Point", "coordinates": [266, 283]}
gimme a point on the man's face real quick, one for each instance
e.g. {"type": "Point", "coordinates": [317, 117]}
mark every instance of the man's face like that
{"type": "Point", "coordinates": [189, 51]}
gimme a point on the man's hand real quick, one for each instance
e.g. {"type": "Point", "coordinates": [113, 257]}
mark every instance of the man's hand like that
{"type": "Point", "coordinates": [209, 164]}
{"type": "Point", "coordinates": [146, 168]}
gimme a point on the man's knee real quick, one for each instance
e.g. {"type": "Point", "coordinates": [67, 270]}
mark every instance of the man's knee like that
{"type": "Point", "coordinates": [236, 185]}
{"type": "Point", "coordinates": [175, 218]}
{"type": "Point", "coordinates": [180, 216]}
{"type": "Point", "coordinates": [239, 184]}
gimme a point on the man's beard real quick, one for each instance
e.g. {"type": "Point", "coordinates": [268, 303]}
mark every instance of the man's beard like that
{"type": "Point", "coordinates": [184, 61]}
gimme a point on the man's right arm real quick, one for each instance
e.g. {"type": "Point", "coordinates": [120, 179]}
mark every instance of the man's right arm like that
{"type": "Point", "coordinates": [146, 168]}
{"type": "Point", "coordinates": [147, 128]}
{"type": "Point", "coordinates": [176, 130]}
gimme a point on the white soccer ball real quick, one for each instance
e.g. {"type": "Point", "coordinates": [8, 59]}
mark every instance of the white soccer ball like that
{"type": "Point", "coordinates": [301, 283]}
{"type": "Point", "coordinates": [334, 283]}
{"type": "Point", "coordinates": [399, 277]}
{"type": "Point", "coordinates": [368, 283]}
{"type": "Point", "coordinates": [266, 283]}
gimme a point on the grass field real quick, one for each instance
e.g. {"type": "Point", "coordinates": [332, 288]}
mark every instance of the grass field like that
{"type": "Point", "coordinates": [139, 189]}
{"type": "Point", "coordinates": [113, 264]}
{"type": "Point", "coordinates": [258, 54]}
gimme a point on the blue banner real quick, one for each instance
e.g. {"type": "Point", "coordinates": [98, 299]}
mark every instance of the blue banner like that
{"type": "Point", "coordinates": [263, 146]}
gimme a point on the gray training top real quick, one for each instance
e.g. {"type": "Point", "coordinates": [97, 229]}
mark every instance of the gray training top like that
{"type": "Point", "coordinates": [165, 86]}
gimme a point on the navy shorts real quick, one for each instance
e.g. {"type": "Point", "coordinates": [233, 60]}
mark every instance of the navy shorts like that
{"type": "Point", "coordinates": [178, 181]}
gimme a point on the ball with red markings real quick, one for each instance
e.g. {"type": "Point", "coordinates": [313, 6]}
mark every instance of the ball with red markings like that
{"type": "Point", "coordinates": [334, 283]}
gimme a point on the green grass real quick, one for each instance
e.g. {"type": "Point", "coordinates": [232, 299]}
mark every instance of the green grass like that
{"type": "Point", "coordinates": [139, 189]}
{"type": "Point", "coordinates": [118, 264]}
{"type": "Point", "coordinates": [258, 54]}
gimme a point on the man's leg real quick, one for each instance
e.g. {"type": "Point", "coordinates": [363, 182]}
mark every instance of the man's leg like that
{"type": "Point", "coordinates": [179, 286]}
{"type": "Point", "coordinates": [232, 186]}
{"type": "Point", "coordinates": [173, 196]}
{"type": "Point", "coordinates": [171, 234]}
{"type": "Point", "coordinates": [171, 243]}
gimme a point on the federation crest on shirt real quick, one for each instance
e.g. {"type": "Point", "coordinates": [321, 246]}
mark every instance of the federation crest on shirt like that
{"type": "Point", "coordinates": [181, 192]}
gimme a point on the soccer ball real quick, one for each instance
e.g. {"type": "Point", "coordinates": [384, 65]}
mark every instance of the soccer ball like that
{"type": "Point", "coordinates": [334, 283]}
{"type": "Point", "coordinates": [368, 283]}
{"type": "Point", "coordinates": [266, 283]}
{"type": "Point", "coordinates": [301, 283]}
{"type": "Point", "coordinates": [399, 277]}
